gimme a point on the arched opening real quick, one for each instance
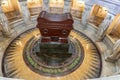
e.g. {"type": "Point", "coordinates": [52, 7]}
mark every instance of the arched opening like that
{"type": "Point", "coordinates": [11, 9]}
{"type": "Point", "coordinates": [97, 15]}
{"type": "Point", "coordinates": [77, 8]}
{"type": "Point", "coordinates": [114, 28]}
{"type": "Point", "coordinates": [34, 6]}
{"type": "Point", "coordinates": [56, 6]}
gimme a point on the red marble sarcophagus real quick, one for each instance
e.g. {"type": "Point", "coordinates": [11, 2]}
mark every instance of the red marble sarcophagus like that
{"type": "Point", "coordinates": [55, 27]}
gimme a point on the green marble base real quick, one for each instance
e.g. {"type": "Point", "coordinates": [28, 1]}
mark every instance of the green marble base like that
{"type": "Point", "coordinates": [54, 48]}
{"type": "Point", "coordinates": [54, 54]}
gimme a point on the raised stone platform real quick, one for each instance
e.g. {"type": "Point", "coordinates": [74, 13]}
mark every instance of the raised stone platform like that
{"type": "Point", "coordinates": [84, 63]}
{"type": "Point", "coordinates": [54, 48]}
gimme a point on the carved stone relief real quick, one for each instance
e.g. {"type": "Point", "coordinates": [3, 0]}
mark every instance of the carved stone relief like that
{"type": "Point", "coordinates": [114, 54]}
{"type": "Point", "coordinates": [103, 27]}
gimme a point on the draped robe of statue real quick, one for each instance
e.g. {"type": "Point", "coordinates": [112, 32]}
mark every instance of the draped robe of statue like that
{"type": "Point", "coordinates": [114, 53]}
{"type": "Point", "coordinates": [103, 28]}
{"type": "Point", "coordinates": [4, 24]}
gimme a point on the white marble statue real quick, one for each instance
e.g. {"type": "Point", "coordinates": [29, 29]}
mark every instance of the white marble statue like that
{"type": "Point", "coordinates": [114, 54]}
{"type": "Point", "coordinates": [4, 24]}
{"type": "Point", "coordinates": [103, 28]}
{"type": "Point", "coordinates": [25, 12]}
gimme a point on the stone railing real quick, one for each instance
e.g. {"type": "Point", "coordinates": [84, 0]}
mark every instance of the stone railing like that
{"type": "Point", "coordinates": [3, 78]}
{"type": "Point", "coordinates": [117, 77]}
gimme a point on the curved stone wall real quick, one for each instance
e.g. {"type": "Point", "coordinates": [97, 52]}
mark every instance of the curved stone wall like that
{"type": "Point", "coordinates": [18, 27]}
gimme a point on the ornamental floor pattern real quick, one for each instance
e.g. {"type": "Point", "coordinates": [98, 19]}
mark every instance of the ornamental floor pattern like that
{"type": "Point", "coordinates": [14, 65]}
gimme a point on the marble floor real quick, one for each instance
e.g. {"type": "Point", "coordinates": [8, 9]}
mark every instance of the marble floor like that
{"type": "Point", "coordinates": [90, 64]}
{"type": "Point", "coordinates": [108, 69]}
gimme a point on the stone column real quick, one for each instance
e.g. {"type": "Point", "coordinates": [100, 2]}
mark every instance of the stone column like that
{"type": "Point", "coordinates": [24, 10]}
{"type": "Point", "coordinates": [46, 5]}
{"type": "Point", "coordinates": [4, 24]}
{"type": "Point", "coordinates": [43, 5]}
{"type": "Point", "coordinates": [103, 27]}
{"type": "Point", "coordinates": [114, 54]}
{"type": "Point", "coordinates": [85, 15]}
{"type": "Point", "coordinates": [67, 5]}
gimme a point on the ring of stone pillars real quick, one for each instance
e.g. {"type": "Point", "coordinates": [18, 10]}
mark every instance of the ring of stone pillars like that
{"type": "Point", "coordinates": [26, 14]}
{"type": "Point", "coordinates": [5, 24]}
{"type": "Point", "coordinates": [26, 18]}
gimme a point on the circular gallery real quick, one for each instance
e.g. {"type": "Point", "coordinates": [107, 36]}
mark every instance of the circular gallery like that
{"type": "Point", "coordinates": [59, 40]}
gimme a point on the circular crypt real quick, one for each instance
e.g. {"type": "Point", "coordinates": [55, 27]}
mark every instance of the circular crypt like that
{"type": "Point", "coordinates": [22, 58]}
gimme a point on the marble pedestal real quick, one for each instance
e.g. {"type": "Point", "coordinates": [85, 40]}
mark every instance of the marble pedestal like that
{"type": "Point", "coordinates": [54, 48]}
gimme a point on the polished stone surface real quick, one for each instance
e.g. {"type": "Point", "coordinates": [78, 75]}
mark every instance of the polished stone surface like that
{"type": "Point", "coordinates": [14, 63]}
{"type": "Point", "coordinates": [117, 77]}
{"type": "Point", "coordinates": [3, 78]}
{"type": "Point", "coordinates": [106, 71]}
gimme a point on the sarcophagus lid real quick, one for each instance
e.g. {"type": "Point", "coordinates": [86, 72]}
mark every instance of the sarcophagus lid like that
{"type": "Point", "coordinates": [54, 27]}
